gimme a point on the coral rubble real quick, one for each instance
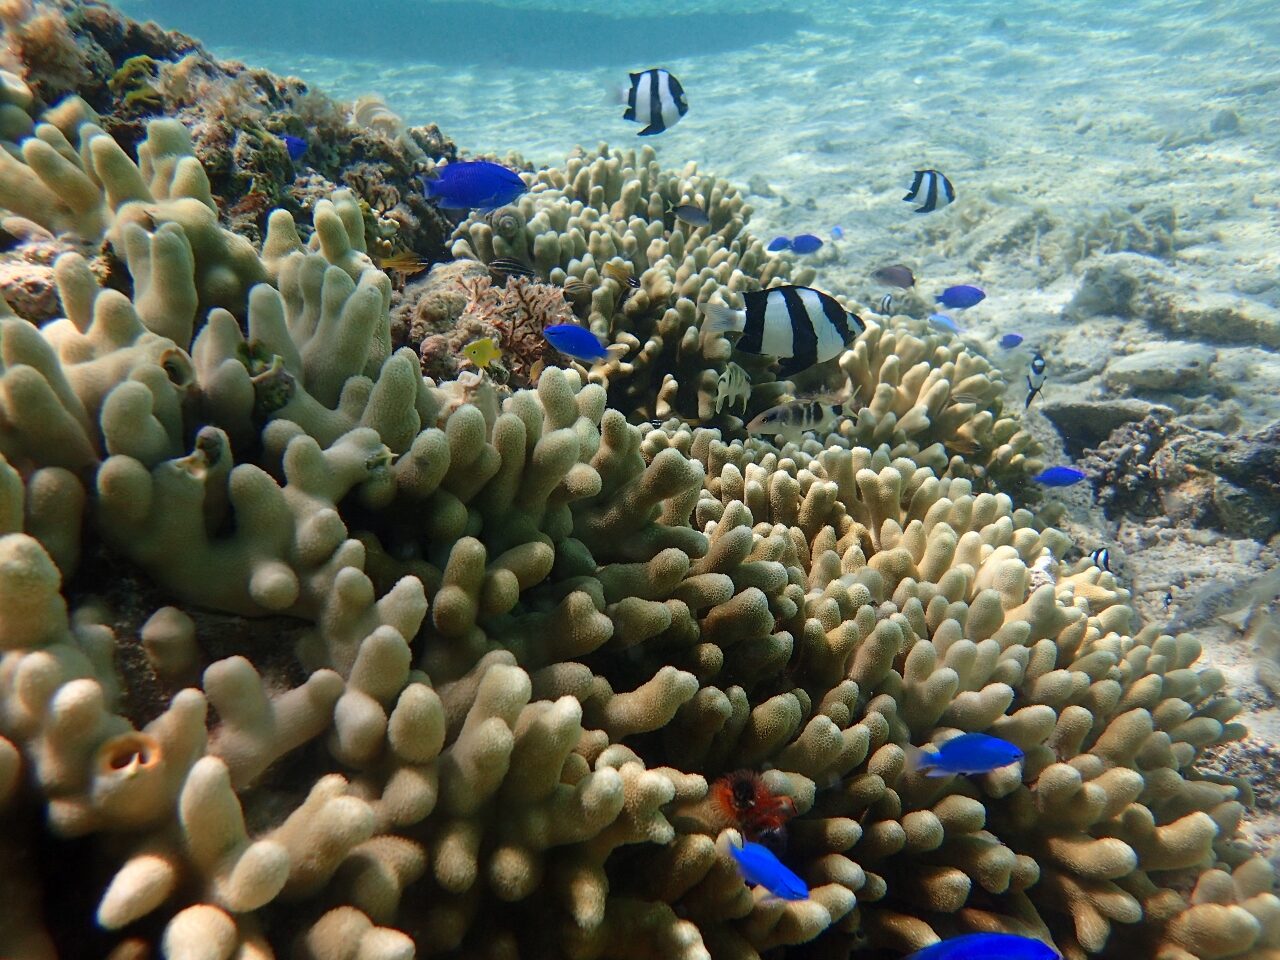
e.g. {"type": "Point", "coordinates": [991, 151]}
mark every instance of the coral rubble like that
{"type": "Point", "coordinates": [448, 668]}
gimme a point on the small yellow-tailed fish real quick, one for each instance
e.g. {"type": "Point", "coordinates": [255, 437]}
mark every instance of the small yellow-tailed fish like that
{"type": "Point", "coordinates": [482, 352]}
{"type": "Point", "coordinates": [404, 262]}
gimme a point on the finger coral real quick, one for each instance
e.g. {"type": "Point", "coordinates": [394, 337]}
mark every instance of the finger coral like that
{"type": "Point", "coordinates": [452, 670]}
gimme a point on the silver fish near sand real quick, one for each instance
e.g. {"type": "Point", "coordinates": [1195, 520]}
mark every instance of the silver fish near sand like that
{"type": "Point", "coordinates": [798, 325]}
{"type": "Point", "coordinates": [931, 189]}
{"type": "Point", "coordinates": [655, 99]}
{"type": "Point", "coordinates": [1222, 598]}
{"type": "Point", "coordinates": [790, 421]}
{"type": "Point", "coordinates": [732, 387]}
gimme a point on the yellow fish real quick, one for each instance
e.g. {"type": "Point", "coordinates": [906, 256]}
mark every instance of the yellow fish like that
{"type": "Point", "coordinates": [482, 352]}
{"type": "Point", "coordinates": [405, 262]}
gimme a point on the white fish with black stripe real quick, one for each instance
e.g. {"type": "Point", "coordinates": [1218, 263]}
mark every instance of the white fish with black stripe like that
{"type": "Point", "coordinates": [931, 189]}
{"type": "Point", "coordinates": [654, 98]}
{"type": "Point", "coordinates": [790, 421]}
{"type": "Point", "coordinates": [1101, 558]}
{"type": "Point", "coordinates": [798, 325]}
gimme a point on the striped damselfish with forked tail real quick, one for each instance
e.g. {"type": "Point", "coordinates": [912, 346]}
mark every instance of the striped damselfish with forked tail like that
{"type": "Point", "coordinates": [931, 189]}
{"type": "Point", "coordinates": [987, 946]}
{"type": "Point", "coordinates": [654, 98]}
{"type": "Point", "coordinates": [968, 753]}
{"type": "Point", "coordinates": [793, 419]}
{"type": "Point", "coordinates": [798, 325]}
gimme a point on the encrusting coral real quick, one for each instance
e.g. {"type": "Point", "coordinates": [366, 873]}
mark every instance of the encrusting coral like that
{"type": "Point", "coordinates": [534, 634]}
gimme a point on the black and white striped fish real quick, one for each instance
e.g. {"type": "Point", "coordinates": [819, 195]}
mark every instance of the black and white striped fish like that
{"type": "Point", "coordinates": [791, 420]}
{"type": "Point", "coordinates": [798, 325]}
{"type": "Point", "coordinates": [1101, 559]}
{"type": "Point", "coordinates": [931, 189]}
{"type": "Point", "coordinates": [886, 305]}
{"type": "Point", "coordinates": [656, 99]}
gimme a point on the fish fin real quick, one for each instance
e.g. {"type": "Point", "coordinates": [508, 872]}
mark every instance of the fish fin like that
{"type": "Point", "coordinates": [923, 761]}
{"type": "Point", "coordinates": [652, 130]}
{"type": "Point", "coordinates": [721, 318]}
{"type": "Point", "coordinates": [616, 351]}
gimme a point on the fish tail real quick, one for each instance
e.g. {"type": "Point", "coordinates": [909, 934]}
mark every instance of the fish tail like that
{"type": "Point", "coordinates": [721, 318]}
{"type": "Point", "coordinates": [923, 761]}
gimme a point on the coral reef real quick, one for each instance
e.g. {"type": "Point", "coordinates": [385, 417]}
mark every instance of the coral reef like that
{"type": "Point", "coordinates": [448, 669]}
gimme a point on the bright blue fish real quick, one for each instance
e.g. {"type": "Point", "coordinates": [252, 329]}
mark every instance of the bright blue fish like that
{"type": "Point", "coordinates": [806, 243]}
{"type": "Point", "coordinates": [778, 243]}
{"type": "Point", "coordinates": [987, 946]}
{"type": "Point", "coordinates": [968, 753]}
{"type": "Point", "coordinates": [1010, 340]}
{"type": "Point", "coordinates": [574, 341]}
{"type": "Point", "coordinates": [960, 297]}
{"type": "Point", "coordinates": [295, 146]}
{"type": "Point", "coordinates": [942, 320]}
{"type": "Point", "coordinates": [759, 866]}
{"type": "Point", "coordinates": [1058, 477]}
{"type": "Point", "coordinates": [837, 233]}
{"type": "Point", "coordinates": [474, 183]}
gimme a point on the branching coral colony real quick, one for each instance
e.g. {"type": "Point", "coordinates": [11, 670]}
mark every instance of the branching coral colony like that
{"type": "Point", "coordinates": [400, 667]}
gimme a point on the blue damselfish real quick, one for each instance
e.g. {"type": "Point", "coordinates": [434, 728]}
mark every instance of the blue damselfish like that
{"type": "Point", "coordinates": [1058, 477]}
{"type": "Point", "coordinates": [987, 946]}
{"type": "Point", "coordinates": [1010, 340]}
{"type": "Point", "coordinates": [294, 146]}
{"type": "Point", "coordinates": [778, 243]}
{"type": "Point", "coordinates": [759, 866]}
{"type": "Point", "coordinates": [968, 753]}
{"type": "Point", "coordinates": [961, 296]}
{"type": "Point", "coordinates": [574, 341]}
{"type": "Point", "coordinates": [806, 243]}
{"type": "Point", "coordinates": [474, 183]}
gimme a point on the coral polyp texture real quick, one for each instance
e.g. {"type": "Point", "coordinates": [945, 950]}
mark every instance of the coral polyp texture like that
{"type": "Point", "coordinates": [302, 654]}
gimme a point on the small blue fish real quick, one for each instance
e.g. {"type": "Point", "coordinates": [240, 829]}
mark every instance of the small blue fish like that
{"type": "Point", "coordinates": [806, 243]}
{"type": "Point", "coordinates": [942, 320]}
{"type": "Point", "coordinates": [837, 233]}
{"type": "Point", "coordinates": [474, 183]}
{"type": "Point", "coordinates": [294, 146]}
{"type": "Point", "coordinates": [778, 243]}
{"type": "Point", "coordinates": [1058, 477]}
{"type": "Point", "coordinates": [968, 753]}
{"type": "Point", "coordinates": [760, 866]}
{"type": "Point", "coordinates": [961, 296]}
{"type": "Point", "coordinates": [987, 946]}
{"type": "Point", "coordinates": [1010, 340]}
{"type": "Point", "coordinates": [574, 341]}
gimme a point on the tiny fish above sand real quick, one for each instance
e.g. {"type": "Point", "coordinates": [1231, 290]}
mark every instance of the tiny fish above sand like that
{"type": "Point", "coordinates": [931, 189]}
{"type": "Point", "coordinates": [895, 275]}
{"type": "Point", "coordinates": [655, 99]}
{"type": "Point", "coordinates": [961, 297]}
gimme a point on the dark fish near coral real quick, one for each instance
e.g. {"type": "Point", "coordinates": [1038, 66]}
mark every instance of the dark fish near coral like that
{"type": "Point", "coordinates": [467, 184]}
{"type": "Point", "coordinates": [987, 946]}
{"type": "Point", "coordinates": [510, 267]}
{"type": "Point", "coordinates": [574, 341]}
{"type": "Point", "coordinates": [294, 146]}
{"type": "Point", "coordinates": [968, 753]}
{"type": "Point", "coordinates": [886, 304]}
{"type": "Point", "coordinates": [778, 243]}
{"type": "Point", "coordinates": [692, 214]}
{"type": "Point", "coordinates": [1058, 477]}
{"type": "Point", "coordinates": [793, 419]}
{"type": "Point", "coordinates": [960, 297]}
{"type": "Point", "coordinates": [806, 243]}
{"type": "Point", "coordinates": [897, 275]}
{"type": "Point", "coordinates": [1168, 599]}
{"type": "Point", "coordinates": [1010, 340]}
{"type": "Point", "coordinates": [655, 99]}
{"type": "Point", "coordinates": [1101, 558]}
{"type": "Point", "coordinates": [931, 189]}
{"type": "Point", "coordinates": [577, 293]}
{"type": "Point", "coordinates": [761, 867]}
{"type": "Point", "coordinates": [798, 325]}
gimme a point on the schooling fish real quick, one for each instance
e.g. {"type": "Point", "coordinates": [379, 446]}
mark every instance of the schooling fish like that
{"type": "Point", "coordinates": [968, 753]}
{"type": "Point", "coordinates": [798, 325]}
{"type": "Point", "coordinates": [1058, 477]}
{"type": "Point", "coordinates": [886, 304]}
{"type": "Point", "coordinates": [1010, 340]}
{"type": "Point", "coordinates": [482, 352]}
{"type": "Point", "coordinates": [932, 189]}
{"type": "Point", "coordinates": [942, 320]}
{"type": "Point", "coordinates": [474, 183]}
{"type": "Point", "coordinates": [692, 214]}
{"type": "Point", "coordinates": [960, 297]}
{"type": "Point", "coordinates": [793, 419]}
{"type": "Point", "coordinates": [897, 275]}
{"type": "Point", "coordinates": [294, 146]}
{"type": "Point", "coordinates": [574, 341]}
{"type": "Point", "coordinates": [778, 243]}
{"type": "Point", "coordinates": [761, 867]}
{"type": "Point", "coordinates": [987, 946]}
{"type": "Point", "coordinates": [806, 243]}
{"type": "Point", "coordinates": [1101, 559]}
{"type": "Point", "coordinates": [655, 99]}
